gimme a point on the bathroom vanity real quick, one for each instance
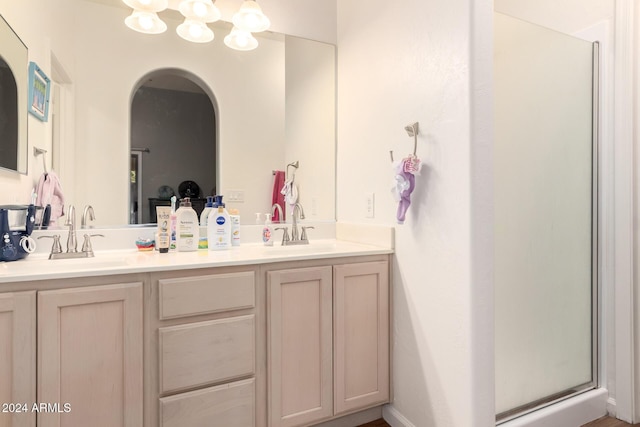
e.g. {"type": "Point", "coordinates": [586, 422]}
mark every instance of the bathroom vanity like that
{"type": "Point", "coordinates": [248, 337]}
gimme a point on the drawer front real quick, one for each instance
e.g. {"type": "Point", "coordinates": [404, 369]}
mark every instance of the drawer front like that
{"type": "Point", "coordinates": [190, 296]}
{"type": "Point", "coordinates": [228, 405]}
{"type": "Point", "coordinates": [206, 352]}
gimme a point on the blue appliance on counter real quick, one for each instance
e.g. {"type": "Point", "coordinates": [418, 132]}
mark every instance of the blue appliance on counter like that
{"type": "Point", "coordinates": [16, 225]}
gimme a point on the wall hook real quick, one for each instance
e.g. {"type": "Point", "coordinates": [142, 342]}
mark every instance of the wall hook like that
{"type": "Point", "coordinates": [40, 151]}
{"type": "Point", "coordinates": [412, 130]}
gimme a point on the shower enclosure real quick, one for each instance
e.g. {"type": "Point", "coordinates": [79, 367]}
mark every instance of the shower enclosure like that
{"type": "Point", "coordinates": [545, 185]}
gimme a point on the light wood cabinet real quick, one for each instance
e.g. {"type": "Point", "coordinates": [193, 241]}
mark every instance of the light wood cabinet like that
{"type": "Point", "coordinates": [201, 337]}
{"type": "Point", "coordinates": [361, 335]}
{"type": "Point", "coordinates": [18, 358]}
{"type": "Point", "coordinates": [328, 341]}
{"type": "Point", "coordinates": [299, 346]}
{"type": "Point", "coordinates": [90, 356]}
{"type": "Point", "coordinates": [228, 405]}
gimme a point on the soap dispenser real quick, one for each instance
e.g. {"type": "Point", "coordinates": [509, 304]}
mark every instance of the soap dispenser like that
{"type": "Point", "coordinates": [187, 230]}
{"type": "Point", "coordinates": [267, 231]}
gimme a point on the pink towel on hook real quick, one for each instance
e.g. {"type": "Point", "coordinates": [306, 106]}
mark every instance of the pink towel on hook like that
{"type": "Point", "coordinates": [276, 196]}
{"type": "Point", "coordinates": [50, 193]}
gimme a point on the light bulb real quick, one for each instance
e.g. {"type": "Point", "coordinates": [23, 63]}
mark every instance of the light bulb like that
{"type": "Point", "coordinates": [240, 40]}
{"type": "Point", "coordinates": [147, 5]}
{"type": "Point", "coordinates": [195, 31]}
{"type": "Point", "coordinates": [199, 9]}
{"type": "Point", "coordinates": [250, 18]}
{"type": "Point", "coordinates": [145, 22]}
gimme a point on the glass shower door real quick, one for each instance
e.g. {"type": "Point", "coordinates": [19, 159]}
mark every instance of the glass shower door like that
{"type": "Point", "coordinates": [545, 216]}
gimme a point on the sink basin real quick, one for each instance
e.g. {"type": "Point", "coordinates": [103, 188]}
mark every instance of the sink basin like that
{"type": "Point", "coordinates": [313, 247]}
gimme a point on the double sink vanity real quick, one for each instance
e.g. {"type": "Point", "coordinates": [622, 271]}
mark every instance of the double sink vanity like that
{"type": "Point", "coordinates": [253, 336]}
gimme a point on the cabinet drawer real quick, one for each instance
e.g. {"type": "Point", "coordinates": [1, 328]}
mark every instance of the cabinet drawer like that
{"type": "Point", "coordinates": [228, 405]}
{"type": "Point", "coordinates": [206, 352]}
{"type": "Point", "coordinates": [191, 296]}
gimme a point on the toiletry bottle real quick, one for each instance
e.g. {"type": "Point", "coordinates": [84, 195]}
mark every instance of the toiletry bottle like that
{"type": "Point", "coordinates": [172, 221]}
{"type": "Point", "coordinates": [219, 227]}
{"type": "Point", "coordinates": [204, 220]}
{"type": "Point", "coordinates": [234, 216]}
{"type": "Point", "coordinates": [187, 229]}
{"type": "Point", "coordinates": [163, 239]}
{"type": "Point", "coordinates": [267, 231]}
{"type": "Point", "coordinates": [204, 216]}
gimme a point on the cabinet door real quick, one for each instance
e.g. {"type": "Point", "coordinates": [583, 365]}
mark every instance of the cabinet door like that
{"type": "Point", "coordinates": [90, 356]}
{"type": "Point", "coordinates": [361, 334]}
{"type": "Point", "coordinates": [299, 346]}
{"type": "Point", "coordinates": [17, 358]}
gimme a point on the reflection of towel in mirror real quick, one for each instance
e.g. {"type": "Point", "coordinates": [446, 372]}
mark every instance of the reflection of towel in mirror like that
{"type": "Point", "coordinates": [50, 193]}
{"type": "Point", "coordinates": [290, 193]}
{"type": "Point", "coordinates": [277, 197]}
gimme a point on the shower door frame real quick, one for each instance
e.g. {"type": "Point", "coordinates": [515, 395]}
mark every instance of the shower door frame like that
{"type": "Point", "coordinates": [514, 414]}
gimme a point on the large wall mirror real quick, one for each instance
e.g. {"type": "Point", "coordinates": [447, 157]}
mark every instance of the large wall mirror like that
{"type": "Point", "coordinates": [273, 106]}
{"type": "Point", "coordinates": [13, 99]}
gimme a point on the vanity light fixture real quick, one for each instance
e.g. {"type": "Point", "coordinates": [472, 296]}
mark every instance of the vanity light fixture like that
{"type": "Point", "coordinates": [200, 10]}
{"type": "Point", "coordinates": [240, 40]}
{"type": "Point", "coordinates": [147, 5]}
{"type": "Point", "coordinates": [145, 22]}
{"type": "Point", "coordinates": [195, 31]}
{"type": "Point", "coordinates": [249, 19]}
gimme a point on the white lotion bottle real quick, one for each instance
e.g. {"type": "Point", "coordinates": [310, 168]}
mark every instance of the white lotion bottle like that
{"type": "Point", "coordinates": [267, 231]}
{"type": "Point", "coordinates": [234, 216]}
{"type": "Point", "coordinates": [219, 229]}
{"type": "Point", "coordinates": [204, 216]}
{"type": "Point", "coordinates": [187, 227]}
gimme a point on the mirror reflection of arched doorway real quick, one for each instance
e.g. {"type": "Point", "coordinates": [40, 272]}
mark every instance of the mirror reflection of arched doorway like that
{"type": "Point", "coordinates": [173, 143]}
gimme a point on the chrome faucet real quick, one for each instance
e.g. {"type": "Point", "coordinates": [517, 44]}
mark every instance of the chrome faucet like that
{"type": "Point", "coordinates": [276, 207]}
{"type": "Point", "coordinates": [88, 211]}
{"type": "Point", "coordinates": [294, 222]}
{"type": "Point", "coordinates": [72, 244]}
{"type": "Point", "coordinates": [296, 238]}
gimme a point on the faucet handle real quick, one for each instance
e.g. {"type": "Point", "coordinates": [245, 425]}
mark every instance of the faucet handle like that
{"type": "Point", "coordinates": [285, 235]}
{"type": "Point", "coordinates": [56, 248]}
{"type": "Point", "coordinates": [304, 232]}
{"type": "Point", "coordinates": [86, 246]}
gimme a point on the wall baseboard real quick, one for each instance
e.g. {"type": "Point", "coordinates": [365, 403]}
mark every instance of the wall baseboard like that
{"type": "Point", "coordinates": [612, 410]}
{"type": "Point", "coordinates": [395, 418]}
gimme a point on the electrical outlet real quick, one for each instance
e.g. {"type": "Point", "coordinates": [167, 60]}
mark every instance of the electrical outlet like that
{"type": "Point", "coordinates": [314, 206]}
{"type": "Point", "coordinates": [235, 196]}
{"type": "Point", "coordinates": [370, 199]}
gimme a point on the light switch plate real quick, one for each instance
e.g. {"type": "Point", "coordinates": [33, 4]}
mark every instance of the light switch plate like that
{"type": "Point", "coordinates": [370, 199]}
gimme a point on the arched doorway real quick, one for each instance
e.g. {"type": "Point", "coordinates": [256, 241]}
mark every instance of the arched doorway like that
{"type": "Point", "coordinates": [173, 143]}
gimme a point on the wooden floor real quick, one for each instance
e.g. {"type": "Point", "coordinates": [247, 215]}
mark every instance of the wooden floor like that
{"type": "Point", "coordinates": [603, 422]}
{"type": "Point", "coordinates": [609, 422]}
{"type": "Point", "coordinates": [376, 423]}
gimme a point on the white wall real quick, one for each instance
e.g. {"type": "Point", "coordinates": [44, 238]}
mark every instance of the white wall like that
{"type": "Point", "coordinates": [426, 61]}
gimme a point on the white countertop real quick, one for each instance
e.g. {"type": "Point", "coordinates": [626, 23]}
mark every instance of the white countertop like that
{"type": "Point", "coordinates": [39, 267]}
